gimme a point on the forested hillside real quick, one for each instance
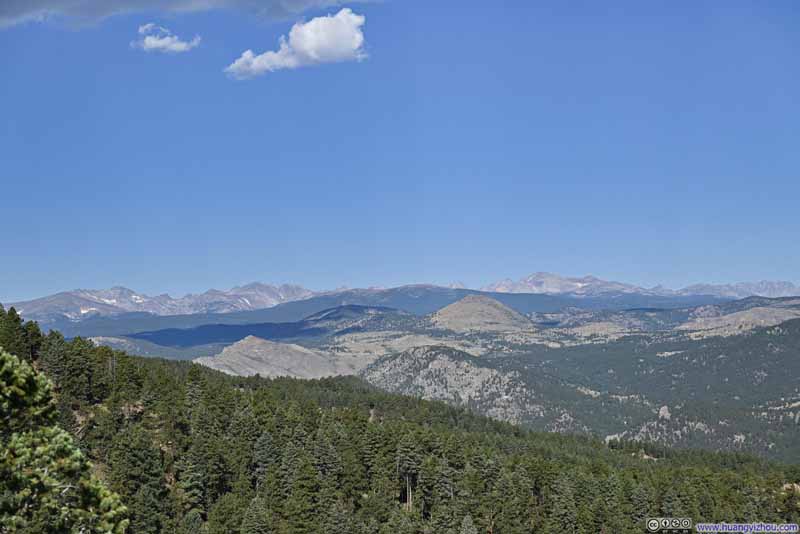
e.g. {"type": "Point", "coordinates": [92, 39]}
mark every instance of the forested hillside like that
{"type": "Point", "coordinates": [188, 450]}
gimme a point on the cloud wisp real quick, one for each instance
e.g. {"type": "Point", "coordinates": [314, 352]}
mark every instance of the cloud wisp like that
{"type": "Point", "coordinates": [156, 38]}
{"type": "Point", "coordinates": [328, 39]}
{"type": "Point", "coordinates": [19, 11]}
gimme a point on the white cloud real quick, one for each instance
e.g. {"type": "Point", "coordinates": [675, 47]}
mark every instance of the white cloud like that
{"type": "Point", "coordinates": [159, 39]}
{"type": "Point", "coordinates": [18, 11]}
{"type": "Point", "coordinates": [328, 39]}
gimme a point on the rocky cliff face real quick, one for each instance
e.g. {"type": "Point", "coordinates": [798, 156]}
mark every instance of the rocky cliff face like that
{"type": "Point", "coordinates": [450, 375]}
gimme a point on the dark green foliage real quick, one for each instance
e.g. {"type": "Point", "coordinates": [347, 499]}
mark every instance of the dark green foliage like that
{"type": "Point", "coordinates": [257, 518]}
{"type": "Point", "coordinates": [136, 473]}
{"type": "Point", "coordinates": [46, 485]}
{"type": "Point", "coordinates": [191, 523]}
{"type": "Point", "coordinates": [564, 510]}
{"type": "Point", "coordinates": [22, 339]}
{"type": "Point", "coordinates": [226, 515]}
{"type": "Point", "coordinates": [467, 526]}
{"type": "Point", "coordinates": [189, 487]}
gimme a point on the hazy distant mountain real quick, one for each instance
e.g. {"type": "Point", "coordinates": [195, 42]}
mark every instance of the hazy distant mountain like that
{"type": "Point", "coordinates": [417, 300]}
{"type": "Point", "coordinates": [763, 288]}
{"type": "Point", "coordinates": [83, 303]}
{"type": "Point", "coordinates": [537, 292]}
{"type": "Point", "coordinates": [591, 286]}
{"type": "Point", "coordinates": [554, 284]}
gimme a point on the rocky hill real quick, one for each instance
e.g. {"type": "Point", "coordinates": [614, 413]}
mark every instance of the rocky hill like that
{"type": "Point", "coordinates": [252, 356]}
{"type": "Point", "coordinates": [478, 313]}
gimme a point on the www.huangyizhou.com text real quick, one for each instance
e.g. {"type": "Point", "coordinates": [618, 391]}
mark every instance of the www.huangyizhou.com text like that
{"type": "Point", "coordinates": [747, 527]}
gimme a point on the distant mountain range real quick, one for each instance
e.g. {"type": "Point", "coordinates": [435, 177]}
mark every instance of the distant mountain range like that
{"type": "Point", "coordinates": [763, 288]}
{"type": "Point", "coordinates": [587, 291]}
{"type": "Point", "coordinates": [82, 303]}
{"type": "Point", "coordinates": [591, 286]}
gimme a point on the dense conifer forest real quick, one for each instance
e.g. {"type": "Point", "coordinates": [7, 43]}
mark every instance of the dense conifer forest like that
{"type": "Point", "coordinates": [94, 440]}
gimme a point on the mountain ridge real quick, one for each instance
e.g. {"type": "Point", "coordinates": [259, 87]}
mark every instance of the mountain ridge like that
{"type": "Point", "coordinates": [555, 284]}
{"type": "Point", "coordinates": [82, 304]}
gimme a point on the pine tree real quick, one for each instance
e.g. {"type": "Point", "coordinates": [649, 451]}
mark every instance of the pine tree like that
{"type": "Point", "coordinates": [265, 457]}
{"type": "Point", "coordinates": [326, 457]}
{"type": "Point", "coordinates": [337, 520]}
{"type": "Point", "coordinates": [353, 477]}
{"type": "Point", "coordinates": [563, 512]}
{"type": "Point", "coordinates": [257, 518]}
{"type": "Point", "coordinates": [443, 517]}
{"type": "Point", "coordinates": [137, 474]}
{"type": "Point", "coordinates": [195, 384]}
{"type": "Point", "coordinates": [400, 522]}
{"type": "Point", "coordinates": [241, 437]}
{"type": "Point", "coordinates": [192, 523]}
{"type": "Point", "coordinates": [641, 504]}
{"type": "Point", "coordinates": [426, 485]}
{"type": "Point", "coordinates": [46, 485]}
{"type": "Point", "coordinates": [190, 486]}
{"type": "Point", "coordinates": [34, 339]}
{"type": "Point", "coordinates": [18, 338]}
{"type": "Point", "coordinates": [67, 362]}
{"type": "Point", "coordinates": [226, 516]}
{"type": "Point", "coordinates": [146, 506]}
{"type": "Point", "coordinates": [207, 451]}
{"type": "Point", "coordinates": [301, 507]}
{"type": "Point", "coordinates": [288, 469]}
{"type": "Point", "coordinates": [609, 515]}
{"type": "Point", "coordinates": [408, 464]}
{"type": "Point", "coordinates": [671, 505]}
{"type": "Point", "coordinates": [445, 481]}
{"type": "Point", "coordinates": [470, 491]}
{"type": "Point", "coordinates": [374, 447]}
{"type": "Point", "coordinates": [467, 526]}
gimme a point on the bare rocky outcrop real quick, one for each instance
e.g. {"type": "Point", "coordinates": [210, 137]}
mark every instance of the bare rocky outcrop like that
{"type": "Point", "coordinates": [446, 374]}
{"type": "Point", "coordinates": [254, 355]}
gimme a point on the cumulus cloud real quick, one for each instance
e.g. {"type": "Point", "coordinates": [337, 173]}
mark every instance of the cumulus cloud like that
{"type": "Point", "coordinates": [328, 39]}
{"type": "Point", "coordinates": [156, 38]}
{"type": "Point", "coordinates": [17, 11]}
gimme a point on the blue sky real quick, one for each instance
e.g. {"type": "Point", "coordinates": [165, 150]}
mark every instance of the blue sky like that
{"type": "Point", "coordinates": [646, 142]}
